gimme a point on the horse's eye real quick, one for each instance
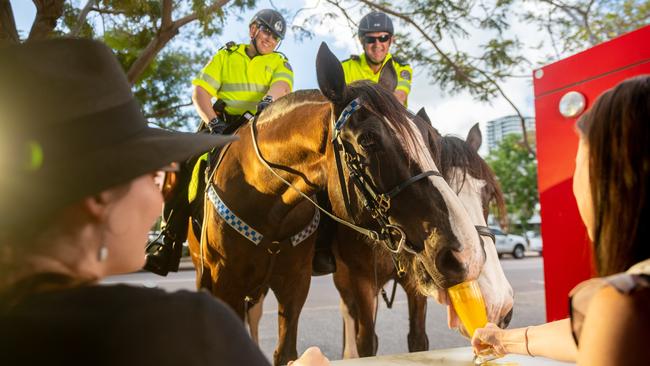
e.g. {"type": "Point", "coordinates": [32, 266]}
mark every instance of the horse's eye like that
{"type": "Point", "coordinates": [368, 141]}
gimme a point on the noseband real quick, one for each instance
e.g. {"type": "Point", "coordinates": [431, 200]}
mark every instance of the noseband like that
{"type": "Point", "coordinates": [377, 204]}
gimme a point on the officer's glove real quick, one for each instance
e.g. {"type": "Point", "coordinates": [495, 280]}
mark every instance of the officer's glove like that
{"type": "Point", "coordinates": [264, 103]}
{"type": "Point", "coordinates": [216, 126]}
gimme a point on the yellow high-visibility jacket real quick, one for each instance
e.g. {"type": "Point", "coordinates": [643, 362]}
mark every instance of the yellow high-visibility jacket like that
{"type": "Point", "coordinates": [357, 68]}
{"type": "Point", "coordinates": [241, 82]}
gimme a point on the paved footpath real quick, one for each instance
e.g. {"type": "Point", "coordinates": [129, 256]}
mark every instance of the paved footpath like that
{"type": "Point", "coordinates": [321, 324]}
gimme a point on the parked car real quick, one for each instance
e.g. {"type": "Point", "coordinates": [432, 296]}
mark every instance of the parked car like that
{"type": "Point", "coordinates": [534, 241]}
{"type": "Point", "coordinates": [512, 244]}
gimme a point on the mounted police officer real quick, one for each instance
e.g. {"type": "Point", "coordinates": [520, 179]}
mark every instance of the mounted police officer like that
{"type": "Point", "coordinates": [376, 35]}
{"type": "Point", "coordinates": [244, 79]}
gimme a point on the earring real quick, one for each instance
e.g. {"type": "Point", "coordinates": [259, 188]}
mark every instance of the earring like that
{"type": "Point", "coordinates": [103, 253]}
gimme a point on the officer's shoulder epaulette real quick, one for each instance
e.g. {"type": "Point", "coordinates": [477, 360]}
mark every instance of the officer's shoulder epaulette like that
{"type": "Point", "coordinates": [400, 61]}
{"type": "Point", "coordinates": [230, 46]}
{"type": "Point", "coordinates": [352, 58]}
{"type": "Point", "coordinates": [282, 54]}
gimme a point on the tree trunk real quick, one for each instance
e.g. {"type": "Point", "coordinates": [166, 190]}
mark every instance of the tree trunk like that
{"type": "Point", "coordinates": [168, 30]}
{"type": "Point", "coordinates": [8, 31]}
{"type": "Point", "coordinates": [149, 53]}
{"type": "Point", "coordinates": [47, 13]}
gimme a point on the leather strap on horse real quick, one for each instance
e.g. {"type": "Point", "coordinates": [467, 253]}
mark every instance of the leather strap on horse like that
{"type": "Point", "coordinates": [369, 233]}
{"type": "Point", "coordinates": [273, 248]}
{"type": "Point", "coordinates": [485, 231]}
{"type": "Point", "coordinates": [389, 303]}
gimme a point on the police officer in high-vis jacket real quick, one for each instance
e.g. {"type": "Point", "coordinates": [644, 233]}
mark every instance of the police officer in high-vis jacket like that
{"type": "Point", "coordinates": [376, 36]}
{"type": "Point", "coordinates": [242, 78]}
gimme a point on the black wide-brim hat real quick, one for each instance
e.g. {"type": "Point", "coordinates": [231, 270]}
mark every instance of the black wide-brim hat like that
{"type": "Point", "coordinates": [70, 128]}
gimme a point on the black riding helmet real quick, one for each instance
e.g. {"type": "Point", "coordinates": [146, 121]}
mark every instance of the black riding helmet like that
{"type": "Point", "coordinates": [272, 20]}
{"type": "Point", "coordinates": [375, 21]}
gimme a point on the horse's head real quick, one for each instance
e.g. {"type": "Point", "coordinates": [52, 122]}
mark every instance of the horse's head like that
{"type": "Point", "coordinates": [474, 182]}
{"type": "Point", "coordinates": [385, 155]}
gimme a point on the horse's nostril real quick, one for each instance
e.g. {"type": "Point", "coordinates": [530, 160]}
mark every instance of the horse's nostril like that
{"type": "Point", "coordinates": [450, 267]}
{"type": "Point", "coordinates": [506, 320]}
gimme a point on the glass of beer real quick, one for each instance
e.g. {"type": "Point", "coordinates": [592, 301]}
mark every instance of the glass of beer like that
{"type": "Point", "coordinates": [467, 300]}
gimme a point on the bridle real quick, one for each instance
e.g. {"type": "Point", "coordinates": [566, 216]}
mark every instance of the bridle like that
{"type": "Point", "coordinates": [375, 203]}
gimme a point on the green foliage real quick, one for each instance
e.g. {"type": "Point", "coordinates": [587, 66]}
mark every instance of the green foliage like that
{"type": "Point", "coordinates": [428, 34]}
{"type": "Point", "coordinates": [128, 27]}
{"type": "Point", "coordinates": [574, 25]}
{"type": "Point", "coordinates": [516, 171]}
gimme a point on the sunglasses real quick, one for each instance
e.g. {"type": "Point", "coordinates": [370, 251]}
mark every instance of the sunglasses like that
{"type": "Point", "coordinates": [268, 32]}
{"type": "Point", "coordinates": [371, 39]}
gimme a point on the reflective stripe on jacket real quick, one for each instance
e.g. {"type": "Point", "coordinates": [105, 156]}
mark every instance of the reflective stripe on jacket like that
{"type": "Point", "coordinates": [241, 82]}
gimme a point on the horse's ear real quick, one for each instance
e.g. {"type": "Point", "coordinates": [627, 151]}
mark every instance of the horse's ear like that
{"type": "Point", "coordinates": [474, 138]}
{"type": "Point", "coordinates": [388, 76]}
{"type": "Point", "coordinates": [423, 114]}
{"type": "Point", "coordinates": [329, 72]}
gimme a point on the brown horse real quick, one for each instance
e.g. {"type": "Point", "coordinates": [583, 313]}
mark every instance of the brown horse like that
{"type": "Point", "coordinates": [363, 271]}
{"type": "Point", "coordinates": [357, 144]}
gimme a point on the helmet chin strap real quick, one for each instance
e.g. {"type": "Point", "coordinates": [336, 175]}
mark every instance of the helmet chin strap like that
{"type": "Point", "coordinates": [254, 39]}
{"type": "Point", "coordinates": [257, 50]}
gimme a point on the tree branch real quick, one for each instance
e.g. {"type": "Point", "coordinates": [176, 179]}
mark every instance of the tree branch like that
{"type": "Point", "coordinates": [166, 14]}
{"type": "Point", "coordinates": [47, 13]}
{"type": "Point", "coordinates": [166, 32]}
{"type": "Point", "coordinates": [81, 19]}
{"type": "Point", "coordinates": [458, 70]}
{"type": "Point", "coordinates": [8, 31]}
{"type": "Point", "coordinates": [569, 10]}
{"type": "Point", "coordinates": [165, 111]}
{"type": "Point", "coordinates": [106, 11]}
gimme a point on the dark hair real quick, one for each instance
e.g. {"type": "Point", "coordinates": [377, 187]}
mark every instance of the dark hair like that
{"type": "Point", "coordinates": [617, 130]}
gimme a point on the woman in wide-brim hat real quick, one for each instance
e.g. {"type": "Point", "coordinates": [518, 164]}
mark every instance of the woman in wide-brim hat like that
{"type": "Point", "coordinates": [78, 196]}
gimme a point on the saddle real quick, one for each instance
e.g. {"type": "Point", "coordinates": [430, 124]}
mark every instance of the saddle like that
{"type": "Point", "coordinates": [206, 164]}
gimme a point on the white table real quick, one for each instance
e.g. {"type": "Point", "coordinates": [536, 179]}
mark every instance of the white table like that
{"type": "Point", "coordinates": [448, 357]}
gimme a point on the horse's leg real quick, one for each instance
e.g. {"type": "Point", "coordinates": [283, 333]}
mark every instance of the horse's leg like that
{"type": "Point", "coordinates": [253, 318]}
{"type": "Point", "coordinates": [291, 294]}
{"type": "Point", "coordinates": [349, 331]}
{"type": "Point", "coordinates": [366, 300]}
{"type": "Point", "coordinates": [347, 306]}
{"type": "Point", "coordinates": [417, 337]}
{"type": "Point", "coordinates": [203, 279]}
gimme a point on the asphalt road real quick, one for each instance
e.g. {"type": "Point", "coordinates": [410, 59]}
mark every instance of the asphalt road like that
{"type": "Point", "coordinates": [321, 324]}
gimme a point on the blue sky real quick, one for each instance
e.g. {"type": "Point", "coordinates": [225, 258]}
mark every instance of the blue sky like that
{"type": "Point", "coordinates": [451, 114]}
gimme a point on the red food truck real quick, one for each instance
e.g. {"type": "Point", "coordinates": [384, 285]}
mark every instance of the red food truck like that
{"type": "Point", "coordinates": [563, 91]}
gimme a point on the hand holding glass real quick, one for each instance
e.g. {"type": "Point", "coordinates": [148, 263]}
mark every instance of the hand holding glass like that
{"type": "Point", "coordinates": [467, 300]}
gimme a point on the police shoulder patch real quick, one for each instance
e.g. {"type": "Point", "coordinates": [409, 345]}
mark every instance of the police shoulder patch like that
{"type": "Point", "coordinates": [288, 66]}
{"type": "Point", "coordinates": [405, 74]}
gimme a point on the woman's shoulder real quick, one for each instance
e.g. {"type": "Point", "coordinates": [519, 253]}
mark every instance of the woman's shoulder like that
{"type": "Point", "coordinates": [626, 293]}
{"type": "Point", "coordinates": [615, 328]}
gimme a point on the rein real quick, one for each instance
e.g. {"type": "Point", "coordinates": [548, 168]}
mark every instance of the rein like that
{"type": "Point", "coordinates": [377, 204]}
{"type": "Point", "coordinates": [367, 232]}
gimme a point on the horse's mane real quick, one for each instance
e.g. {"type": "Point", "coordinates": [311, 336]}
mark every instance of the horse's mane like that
{"type": "Point", "coordinates": [382, 103]}
{"type": "Point", "coordinates": [457, 154]}
{"type": "Point", "coordinates": [290, 102]}
{"type": "Point", "coordinates": [375, 98]}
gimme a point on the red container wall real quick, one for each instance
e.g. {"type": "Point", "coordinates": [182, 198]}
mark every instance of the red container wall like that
{"type": "Point", "coordinates": [567, 254]}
